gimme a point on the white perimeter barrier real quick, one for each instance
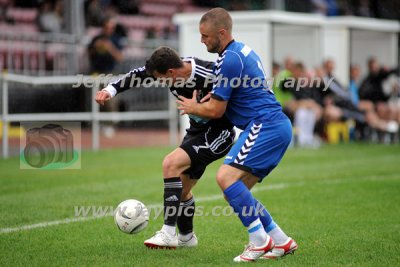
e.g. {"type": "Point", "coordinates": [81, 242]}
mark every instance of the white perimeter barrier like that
{"type": "Point", "coordinates": [94, 116]}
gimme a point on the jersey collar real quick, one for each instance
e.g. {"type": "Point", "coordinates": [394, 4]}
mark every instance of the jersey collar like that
{"type": "Point", "coordinates": [233, 40]}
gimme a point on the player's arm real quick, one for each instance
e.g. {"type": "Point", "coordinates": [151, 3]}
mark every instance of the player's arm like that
{"type": "Point", "coordinates": [211, 109]}
{"type": "Point", "coordinates": [132, 79]}
{"type": "Point", "coordinates": [231, 67]}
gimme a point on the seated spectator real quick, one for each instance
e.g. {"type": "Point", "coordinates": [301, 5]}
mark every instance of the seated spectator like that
{"type": "Point", "coordinates": [340, 105]}
{"type": "Point", "coordinates": [371, 89]}
{"type": "Point", "coordinates": [105, 49]}
{"type": "Point", "coordinates": [369, 109]}
{"type": "Point", "coordinates": [353, 87]}
{"type": "Point", "coordinates": [392, 87]}
{"type": "Point", "coordinates": [337, 100]}
{"type": "Point", "coordinates": [282, 94]}
{"type": "Point", "coordinates": [304, 108]}
{"type": "Point", "coordinates": [50, 17]}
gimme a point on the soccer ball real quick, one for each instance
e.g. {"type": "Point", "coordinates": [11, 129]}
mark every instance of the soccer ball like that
{"type": "Point", "coordinates": [131, 216]}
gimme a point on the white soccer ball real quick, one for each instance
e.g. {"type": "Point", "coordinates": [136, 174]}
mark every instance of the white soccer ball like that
{"type": "Point", "coordinates": [131, 216]}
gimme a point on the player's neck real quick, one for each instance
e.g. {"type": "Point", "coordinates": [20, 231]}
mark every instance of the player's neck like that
{"type": "Point", "coordinates": [225, 44]}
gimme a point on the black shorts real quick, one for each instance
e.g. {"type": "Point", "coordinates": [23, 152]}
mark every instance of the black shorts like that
{"type": "Point", "coordinates": [206, 146]}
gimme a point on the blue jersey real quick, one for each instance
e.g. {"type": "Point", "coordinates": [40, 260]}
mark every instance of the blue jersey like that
{"type": "Point", "coordinates": [241, 81]}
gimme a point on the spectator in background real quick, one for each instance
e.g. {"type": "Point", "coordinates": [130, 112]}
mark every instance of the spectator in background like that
{"type": "Point", "coordinates": [95, 13]}
{"type": "Point", "coordinates": [353, 87]}
{"type": "Point", "coordinates": [282, 94]}
{"type": "Point", "coordinates": [336, 99]}
{"type": "Point", "coordinates": [50, 17]}
{"type": "Point", "coordinates": [368, 107]}
{"type": "Point", "coordinates": [371, 89]}
{"type": "Point", "coordinates": [339, 104]}
{"type": "Point", "coordinates": [304, 108]}
{"type": "Point", "coordinates": [392, 87]}
{"type": "Point", "coordinates": [105, 50]}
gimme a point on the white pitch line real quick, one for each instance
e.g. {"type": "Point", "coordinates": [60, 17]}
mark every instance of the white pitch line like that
{"type": "Point", "coordinates": [45, 224]}
{"type": "Point", "coordinates": [82, 219]}
{"type": "Point", "coordinates": [199, 199]}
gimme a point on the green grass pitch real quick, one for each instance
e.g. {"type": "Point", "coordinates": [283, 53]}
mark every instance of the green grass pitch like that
{"type": "Point", "coordinates": [340, 203]}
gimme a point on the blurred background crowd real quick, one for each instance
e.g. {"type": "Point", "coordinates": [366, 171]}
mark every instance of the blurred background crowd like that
{"type": "Point", "coordinates": [368, 109]}
{"type": "Point", "coordinates": [48, 37]}
{"type": "Point", "coordinates": [124, 27]}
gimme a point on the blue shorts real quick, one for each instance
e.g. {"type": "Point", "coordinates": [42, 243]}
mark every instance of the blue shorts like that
{"type": "Point", "coordinates": [260, 147]}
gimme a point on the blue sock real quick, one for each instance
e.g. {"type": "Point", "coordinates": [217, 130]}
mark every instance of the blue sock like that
{"type": "Point", "coordinates": [242, 202]}
{"type": "Point", "coordinates": [265, 217]}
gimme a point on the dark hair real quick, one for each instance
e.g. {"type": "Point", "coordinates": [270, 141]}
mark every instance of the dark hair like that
{"type": "Point", "coordinates": [162, 59]}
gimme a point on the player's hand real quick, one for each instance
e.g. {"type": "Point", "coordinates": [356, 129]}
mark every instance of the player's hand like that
{"type": "Point", "coordinates": [187, 105]}
{"type": "Point", "coordinates": [102, 96]}
{"type": "Point", "coordinates": [206, 98]}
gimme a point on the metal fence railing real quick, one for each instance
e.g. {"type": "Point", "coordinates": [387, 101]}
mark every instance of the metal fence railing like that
{"type": "Point", "coordinates": [93, 115]}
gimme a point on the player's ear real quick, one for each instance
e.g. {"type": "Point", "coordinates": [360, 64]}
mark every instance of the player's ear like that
{"type": "Point", "coordinates": [171, 72]}
{"type": "Point", "coordinates": [222, 32]}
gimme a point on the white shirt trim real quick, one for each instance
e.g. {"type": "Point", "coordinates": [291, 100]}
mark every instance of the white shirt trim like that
{"type": "Point", "coordinates": [111, 89]}
{"type": "Point", "coordinates": [193, 63]}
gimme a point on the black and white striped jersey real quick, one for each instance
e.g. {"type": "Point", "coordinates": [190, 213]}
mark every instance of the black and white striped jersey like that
{"type": "Point", "coordinates": [201, 79]}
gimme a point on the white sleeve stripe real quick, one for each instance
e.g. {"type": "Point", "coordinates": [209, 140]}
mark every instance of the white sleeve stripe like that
{"type": "Point", "coordinates": [204, 73]}
{"type": "Point", "coordinates": [203, 68]}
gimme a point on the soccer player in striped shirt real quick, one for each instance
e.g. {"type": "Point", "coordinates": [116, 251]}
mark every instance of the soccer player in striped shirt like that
{"type": "Point", "coordinates": [206, 140]}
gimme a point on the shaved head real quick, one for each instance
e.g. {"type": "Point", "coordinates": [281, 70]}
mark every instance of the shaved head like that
{"type": "Point", "coordinates": [218, 17]}
{"type": "Point", "coordinates": [216, 29]}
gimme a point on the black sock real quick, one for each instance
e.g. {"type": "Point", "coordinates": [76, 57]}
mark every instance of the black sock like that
{"type": "Point", "coordinates": [172, 199]}
{"type": "Point", "coordinates": [185, 218]}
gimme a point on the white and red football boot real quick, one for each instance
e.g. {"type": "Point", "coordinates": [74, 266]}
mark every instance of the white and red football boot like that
{"type": "Point", "coordinates": [252, 253]}
{"type": "Point", "coordinates": [281, 250]}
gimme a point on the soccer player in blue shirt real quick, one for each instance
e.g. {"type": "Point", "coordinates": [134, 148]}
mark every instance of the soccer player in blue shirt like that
{"type": "Point", "coordinates": [240, 92]}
